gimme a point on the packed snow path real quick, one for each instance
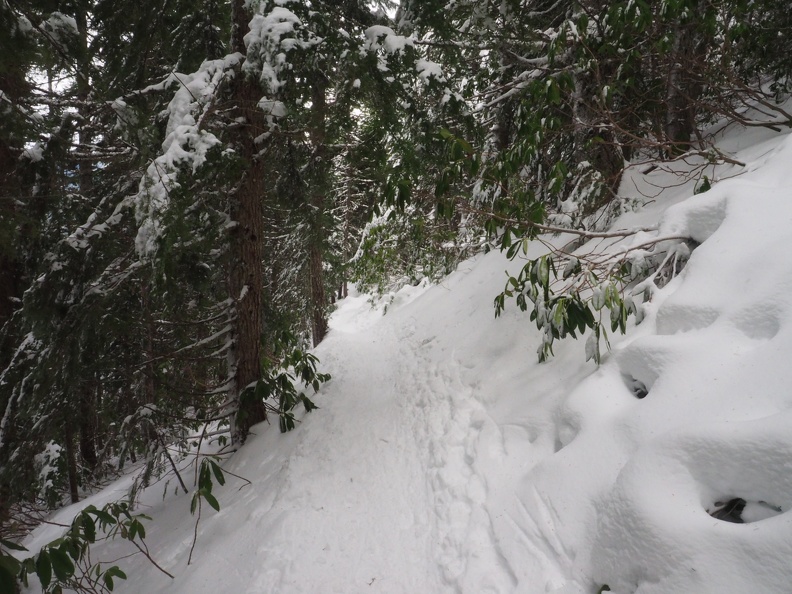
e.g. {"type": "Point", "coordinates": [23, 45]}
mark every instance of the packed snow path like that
{"type": "Point", "coordinates": [403, 484]}
{"type": "Point", "coordinates": [426, 451]}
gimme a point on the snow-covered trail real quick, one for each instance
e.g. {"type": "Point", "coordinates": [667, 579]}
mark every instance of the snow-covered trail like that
{"type": "Point", "coordinates": [343, 510]}
{"type": "Point", "coordinates": [456, 440]}
{"type": "Point", "coordinates": [406, 475]}
{"type": "Point", "coordinates": [348, 521]}
{"type": "Point", "coordinates": [405, 480]}
{"type": "Point", "coordinates": [486, 539]}
{"type": "Point", "coordinates": [464, 445]}
{"type": "Point", "coordinates": [445, 460]}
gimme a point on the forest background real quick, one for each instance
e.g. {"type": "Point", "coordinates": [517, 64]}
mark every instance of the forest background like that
{"type": "Point", "coordinates": [186, 187]}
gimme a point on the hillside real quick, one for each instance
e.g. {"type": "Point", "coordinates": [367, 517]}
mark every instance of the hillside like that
{"type": "Point", "coordinates": [444, 458]}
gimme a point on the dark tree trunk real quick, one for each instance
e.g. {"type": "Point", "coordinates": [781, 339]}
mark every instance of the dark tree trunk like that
{"type": "Point", "coordinates": [245, 274]}
{"type": "Point", "coordinates": [318, 297]}
{"type": "Point", "coordinates": [71, 463]}
{"type": "Point", "coordinates": [83, 92]}
{"type": "Point", "coordinates": [88, 425]}
{"type": "Point", "coordinates": [88, 395]}
{"type": "Point", "coordinates": [14, 86]}
{"type": "Point", "coordinates": [320, 168]}
{"type": "Point", "coordinates": [10, 269]}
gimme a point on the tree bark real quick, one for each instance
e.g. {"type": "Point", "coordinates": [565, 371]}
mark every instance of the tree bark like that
{"type": "Point", "coordinates": [320, 167]}
{"type": "Point", "coordinates": [89, 424]}
{"type": "Point", "coordinates": [245, 274]}
{"type": "Point", "coordinates": [13, 86]}
{"type": "Point", "coordinates": [71, 463]}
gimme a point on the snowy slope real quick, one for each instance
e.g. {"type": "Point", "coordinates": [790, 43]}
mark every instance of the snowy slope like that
{"type": "Point", "coordinates": [445, 459]}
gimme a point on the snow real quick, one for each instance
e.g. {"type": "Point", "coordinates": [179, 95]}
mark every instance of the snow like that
{"type": "Point", "coordinates": [34, 152]}
{"type": "Point", "coordinates": [426, 69]}
{"type": "Point", "coordinates": [444, 458]}
{"type": "Point", "coordinates": [59, 26]}
{"type": "Point", "coordinates": [271, 37]}
{"type": "Point", "coordinates": [382, 37]}
{"type": "Point", "coordinates": [185, 144]}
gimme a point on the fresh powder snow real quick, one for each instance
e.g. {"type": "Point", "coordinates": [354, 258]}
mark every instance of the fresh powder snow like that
{"type": "Point", "coordinates": [445, 459]}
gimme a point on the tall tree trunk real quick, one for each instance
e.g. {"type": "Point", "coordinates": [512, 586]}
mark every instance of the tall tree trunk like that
{"type": "Point", "coordinates": [245, 274]}
{"type": "Point", "coordinates": [320, 167]}
{"type": "Point", "coordinates": [85, 178]}
{"type": "Point", "coordinates": [89, 393]}
{"type": "Point", "coordinates": [10, 268]}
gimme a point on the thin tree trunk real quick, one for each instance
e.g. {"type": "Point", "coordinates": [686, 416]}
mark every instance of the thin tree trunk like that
{"type": "Point", "coordinates": [318, 296]}
{"type": "Point", "coordinates": [71, 463]}
{"type": "Point", "coordinates": [149, 385]}
{"type": "Point", "coordinates": [319, 181]}
{"type": "Point", "coordinates": [89, 424]}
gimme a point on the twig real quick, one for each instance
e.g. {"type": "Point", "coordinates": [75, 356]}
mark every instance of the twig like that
{"type": "Point", "coordinates": [151, 559]}
{"type": "Point", "coordinates": [172, 463]}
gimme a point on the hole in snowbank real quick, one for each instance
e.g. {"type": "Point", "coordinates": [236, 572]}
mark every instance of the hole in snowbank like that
{"type": "Point", "coordinates": [636, 386]}
{"type": "Point", "coordinates": [739, 511]}
{"type": "Point", "coordinates": [565, 433]}
{"type": "Point", "coordinates": [675, 263]}
{"type": "Point", "coordinates": [641, 364]}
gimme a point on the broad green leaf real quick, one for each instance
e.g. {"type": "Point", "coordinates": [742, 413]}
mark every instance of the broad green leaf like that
{"type": "Point", "coordinates": [10, 564]}
{"type": "Point", "coordinates": [210, 499]}
{"type": "Point", "coordinates": [7, 580]}
{"type": "Point", "coordinates": [12, 545]}
{"type": "Point", "coordinates": [89, 528]}
{"type": "Point", "coordinates": [44, 568]}
{"type": "Point", "coordinates": [217, 471]}
{"type": "Point", "coordinates": [61, 564]}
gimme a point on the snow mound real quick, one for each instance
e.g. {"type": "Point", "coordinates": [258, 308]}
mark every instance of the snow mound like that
{"type": "Point", "coordinates": [680, 480]}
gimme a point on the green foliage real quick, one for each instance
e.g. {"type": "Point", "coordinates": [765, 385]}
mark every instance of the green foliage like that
{"type": "Point", "coordinates": [283, 369]}
{"type": "Point", "coordinates": [569, 293]}
{"type": "Point", "coordinates": [405, 247]}
{"type": "Point", "coordinates": [65, 563]}
{"type": "Point", "coordinates": [703, 185]}
{"type": "Point", "coordinates": [208, 468]}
